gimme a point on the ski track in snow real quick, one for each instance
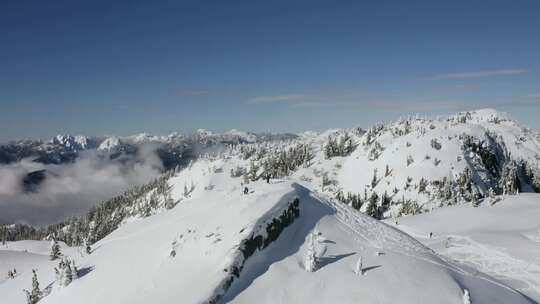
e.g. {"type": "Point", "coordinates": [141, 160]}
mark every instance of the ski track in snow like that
{"type": "Point", "coordinates": [387, 238]}
{"type": "Point", "coordinates": [495, 262]}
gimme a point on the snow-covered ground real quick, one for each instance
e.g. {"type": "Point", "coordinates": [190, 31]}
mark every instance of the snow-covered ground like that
{"type": "Point", "coordinates": [198, 251]}
{"type": "Point", "coordinates": [502, 240]}
{"type": "Point", "coordinates": [134, 263]}
{"type": "Point", "coordinates": [23, 256]}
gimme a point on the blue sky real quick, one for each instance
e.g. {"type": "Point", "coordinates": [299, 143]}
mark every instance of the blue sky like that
{"type": "Point", "coordinates": [122, 67]}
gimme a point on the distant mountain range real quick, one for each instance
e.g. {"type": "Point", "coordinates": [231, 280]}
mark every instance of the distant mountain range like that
{"type": "Point", "coordinates": [174, 150]}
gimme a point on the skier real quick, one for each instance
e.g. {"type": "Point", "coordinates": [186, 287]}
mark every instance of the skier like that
{"type": "Point", "coordinates": [430, 234]}
{"type": "Point", "coordinates": [246, 190]}
{"type": "Point", "coordinates": [268, 179]}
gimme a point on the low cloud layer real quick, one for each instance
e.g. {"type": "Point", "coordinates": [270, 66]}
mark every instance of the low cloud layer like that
{"type": "Point", "coordinates": [71, 189]}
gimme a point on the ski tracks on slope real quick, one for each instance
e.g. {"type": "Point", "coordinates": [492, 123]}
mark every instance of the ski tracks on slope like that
{"type": "Point", "coordinates": [495, 262]}
{"type": "Point", "coordinates": [386, 238]}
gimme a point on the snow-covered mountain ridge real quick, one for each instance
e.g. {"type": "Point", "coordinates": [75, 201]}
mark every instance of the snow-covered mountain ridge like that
{"type": "Point", "coordinates": [299, 235]}
{"type": "Point", "coordinates": [205, 250]}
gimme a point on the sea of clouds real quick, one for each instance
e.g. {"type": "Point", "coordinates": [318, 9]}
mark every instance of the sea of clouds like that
{"type": "Point", "coordinates": [71, 189]}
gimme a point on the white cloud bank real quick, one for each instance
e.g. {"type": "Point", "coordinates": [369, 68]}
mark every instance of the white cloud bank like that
{"type": "Point", "coordinates": [70, 189]}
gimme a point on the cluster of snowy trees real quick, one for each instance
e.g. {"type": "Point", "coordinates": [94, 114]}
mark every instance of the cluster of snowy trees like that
{"type": "Point", "coordinates": [277, 164]}
{"type": "Point", "coordinates": [66, 272]}
{"type": "Point", "coordinates": [11, 274]}
{"type": "Point", "coordinates": [10, 233]}
{"type": "Point", "coordinates": [374, 205]}
{"type": "Point", "coordinates": [102, 219]}
{"type": "Point", "coordinates": [340, 146]}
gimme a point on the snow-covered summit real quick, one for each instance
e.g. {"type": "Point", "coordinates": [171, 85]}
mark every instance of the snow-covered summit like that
{"type": "Point", "coordinates": [110, 143]}
{"type": "Point", "coordinates": [73, 143]}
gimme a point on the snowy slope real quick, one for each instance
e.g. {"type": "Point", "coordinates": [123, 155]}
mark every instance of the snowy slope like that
{"type": "Point", "coordinates": [25, 256]}
{"type": "Point", "coordinates": [428, 162]}
{"type": "Point", "coordinates": [502, 240]}
{"type": "Point", "coordinates": [134, 263]}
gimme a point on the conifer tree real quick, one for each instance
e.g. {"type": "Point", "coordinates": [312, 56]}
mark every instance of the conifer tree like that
{"type": "Point", "coordinates": [68, 274]}
{"type": "Point", "coordinates": [374, 180]}
{"type": "Point", "coordinates": [32, 297]}
{"type": "Point", "coordinates": [311, 261]}
{"type": "Point", "coordinates": [359, 268]}
{"type": "Point", "coordinates": [371, 208]}
{"type": "Point", "coordinates": [55, 251]}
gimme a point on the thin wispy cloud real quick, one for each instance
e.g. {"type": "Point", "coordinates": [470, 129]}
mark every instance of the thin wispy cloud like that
{"type": "Point", "coordinates": [197, 93]}
{"type": "Point", "coordinates": [306, 101]}
{"type": "Point", "coordinates": [187, 92]}
{"type": "Point", "coordinates": [410, 103]}
{"type": "Point", "coordinates": [289, 98]}
{"type": "Point", "coordinates": [481, 74]}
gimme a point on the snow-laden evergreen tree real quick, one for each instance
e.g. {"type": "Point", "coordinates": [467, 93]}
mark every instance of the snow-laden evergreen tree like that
{"type": "Point", "coordinates": [435, 144]}
{"type": "Point", "coordinates": [466, 297]}
{"type": "Point", "coordinates": [311, 262]}
{"type": "Point", "coordinates": [374, 180]}
{"type": "Point", "coordinates": [375, 151]}
{"type": "Point", "coordinates": [74, 270]}
{"type": "Point", "coordinates": [32, 297]}
{"type": "Point", "coordinates": [372, 209]}
{"type": "Point", "coordinates": [509, 181]}
{"type": "Point", "coordinates": [55, 251]}
{"type": "Point", "coordinates": [87, 248]}
{"type": "Point", "coordinates": [359, 270]}
{"type": "Point", "coordinates": [422, 185]}
{"type": "Point", "coordinates": [343, 147]}
{"type": "Point", "coordinates": [66, 272]}
{"type": "Point", "coordinates": [410, 160]}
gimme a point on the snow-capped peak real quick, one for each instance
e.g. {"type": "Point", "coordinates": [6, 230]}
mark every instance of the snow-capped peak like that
{"type": "Point", "coordinates": [71, 142]}
{"type": "Point", "coordinates": [109, 143]}
{"type": "Point", "coordinates": [237, 134]}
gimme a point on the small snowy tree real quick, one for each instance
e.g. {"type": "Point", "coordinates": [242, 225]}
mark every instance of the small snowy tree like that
{"type": "Point", "coordinates": [466, 297]}
{"type": "Point", "coordinates": [374, 180]}
{"type": "Point", "coordinates": [88, 249]}
{"type": "Point", "coordinates": [311, 261]}
{"type": "Point", "coordinates": [68, 274]}
{"type": "Point", "coordinates": [371, 208]}
{"type": "Point", "coordinates": [32, 297]}
{"type": "Point", "coordinates": [55, 251]}
{"type": "Point", "coordinates": [410, 160]}
{"type": "Point", "coordinates": [74, 270]}
{"type": "Point", "coordinates": [359, 270]}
